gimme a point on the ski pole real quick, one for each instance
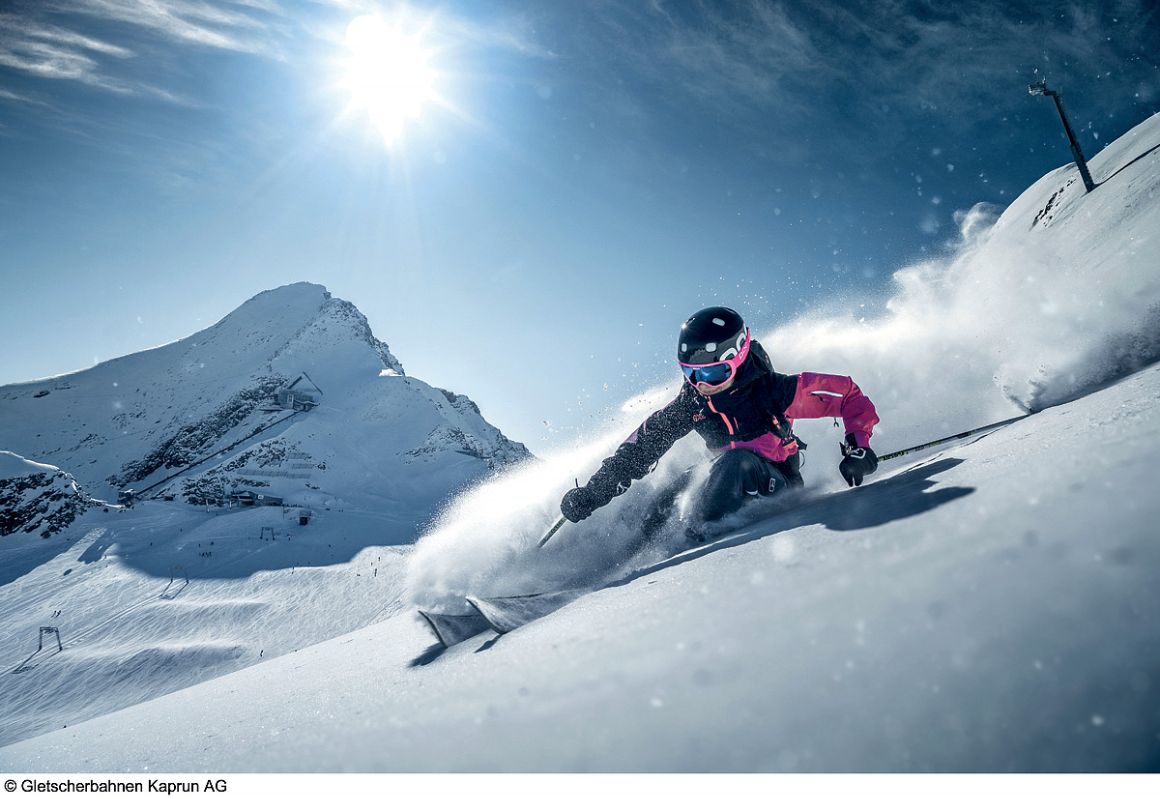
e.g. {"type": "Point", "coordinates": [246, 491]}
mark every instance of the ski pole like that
{"type": "Point", "coordinates": [984, 429]}
{"type": "Point", "coordinates": [955, 437]}
{"type": "Point", "coordinates": [555, 527]}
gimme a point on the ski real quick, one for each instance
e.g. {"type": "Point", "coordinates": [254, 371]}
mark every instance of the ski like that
{"type": "Point", "coordinates": [500, 614]}
{"type": "Point", "coordinates": [507, 613]}
{"type": "Point", "coordinates": [452, 629]}
{"type": "Point", "coordinates": [503, 614]}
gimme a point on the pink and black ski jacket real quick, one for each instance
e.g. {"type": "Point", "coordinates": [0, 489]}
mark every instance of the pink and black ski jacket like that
{"type": "Point", "coordinates": [756, 413]}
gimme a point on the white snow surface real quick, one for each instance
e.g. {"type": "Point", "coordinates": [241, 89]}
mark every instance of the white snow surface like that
{"type": "Point", "coordinates": [986, 606]}
{"type": "Point", "coordinates": [983, 608]}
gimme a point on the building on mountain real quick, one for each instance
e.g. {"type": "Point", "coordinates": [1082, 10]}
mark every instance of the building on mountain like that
{"type": "Point", "coordinates": [301, 394]}
{"type": "Point", "coordinates": [254, 498]}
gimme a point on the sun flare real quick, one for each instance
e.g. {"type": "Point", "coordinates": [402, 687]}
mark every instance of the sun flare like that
{"type": "Point", "coordinates": [388, 74]}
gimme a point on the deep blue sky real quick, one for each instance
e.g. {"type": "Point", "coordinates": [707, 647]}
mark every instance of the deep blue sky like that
{"type": "Point", "coordinates": [592, 173]}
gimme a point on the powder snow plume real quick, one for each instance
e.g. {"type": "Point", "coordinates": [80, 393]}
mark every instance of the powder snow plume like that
{"type": "Point", "coordinates": [1055, 296]}
{"type": "Point", "coordinates": [1039, 305]}
{"type": "Point", "coordinates": [484, 542]}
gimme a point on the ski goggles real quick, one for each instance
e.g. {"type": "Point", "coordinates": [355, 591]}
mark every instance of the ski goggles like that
{"type": "Point", "coordinates": [718, 372]}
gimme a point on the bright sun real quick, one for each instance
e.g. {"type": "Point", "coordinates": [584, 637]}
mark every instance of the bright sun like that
{"type": "Point", "coordinates": [388, 74]}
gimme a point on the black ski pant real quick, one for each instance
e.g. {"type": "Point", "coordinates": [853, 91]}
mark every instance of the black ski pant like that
{"type": "Point", "coordinates": [734, 477]}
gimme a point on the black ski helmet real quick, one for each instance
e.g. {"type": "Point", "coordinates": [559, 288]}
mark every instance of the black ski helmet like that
{"type": "Point", "coordinates": [711, 335]}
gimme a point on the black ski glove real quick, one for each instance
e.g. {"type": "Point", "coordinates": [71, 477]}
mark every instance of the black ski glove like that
{"type": "Point", "coordinates": [579, 503]}
{"type": "Point", "coordinates": [859, 462]}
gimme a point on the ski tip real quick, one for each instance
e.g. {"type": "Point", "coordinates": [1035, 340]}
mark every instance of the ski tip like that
{"type": "Point", "coordinates": [433, 627]}
{"type": "Point", "coordinates": [452, 629]}
{"type": "Point", "coordinates": [487, 610]}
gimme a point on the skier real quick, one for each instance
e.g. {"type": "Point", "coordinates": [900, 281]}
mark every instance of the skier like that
{"type": "Point", "coordinates": [742, 408]}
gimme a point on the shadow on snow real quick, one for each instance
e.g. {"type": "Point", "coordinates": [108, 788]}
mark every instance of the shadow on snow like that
{"type": "Point", "coordinates": [874, 504]}
{"type": "Point", "coordinates": [896, 497]}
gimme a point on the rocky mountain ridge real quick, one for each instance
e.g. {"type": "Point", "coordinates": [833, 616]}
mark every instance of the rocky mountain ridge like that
{"type": "Point", "coordinates": [292, 376]}
{"type": "Point", "coordinates": [38, 498]}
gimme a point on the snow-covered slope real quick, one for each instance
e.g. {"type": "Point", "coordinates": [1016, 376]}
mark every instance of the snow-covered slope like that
{"type": "Point", "coordinates": [161, 596]}
{"type": "Point", "coordinates": [981, 608]}
{"type": "Point", "coordinates": [989, 606]}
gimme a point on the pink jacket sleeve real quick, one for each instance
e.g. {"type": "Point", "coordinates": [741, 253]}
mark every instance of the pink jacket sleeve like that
{"type": "Point", "coordinates": [821, 395]}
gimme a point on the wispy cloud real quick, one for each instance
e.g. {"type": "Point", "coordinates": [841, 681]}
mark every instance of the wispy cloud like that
{"type": "Point", "coordinates": [870, 58]}
{"type": "Point", "coordinates": [45, 40]}
{"type": "Point", "coordinates": [509, 31]}
{"type": "Point", "coordinates": [223, 25]}
{"type": "Point", "coordinates": [48, 51]}
{"type": "Point", "coordinates": [514, 34]}
{"type": "Point", "coordinates": [930, 57]}
{"type": "Point", "coordinates": [748, 50]}
{"type": "Point", "coordinates": [728, 54]}
{"type": "Point", "coordinates": [16, 97]}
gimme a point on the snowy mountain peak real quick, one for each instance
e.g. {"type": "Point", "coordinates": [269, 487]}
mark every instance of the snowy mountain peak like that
{"type": "Point", "coordinates": [292, 370]}
{"type": "Point", "coordinates": [338, 318]}
{"type": "Point", "coordinates": [295, 303]}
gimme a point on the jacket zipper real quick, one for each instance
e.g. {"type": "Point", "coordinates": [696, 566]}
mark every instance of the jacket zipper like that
{"type": "Point", "coordinates": [728, 426]}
